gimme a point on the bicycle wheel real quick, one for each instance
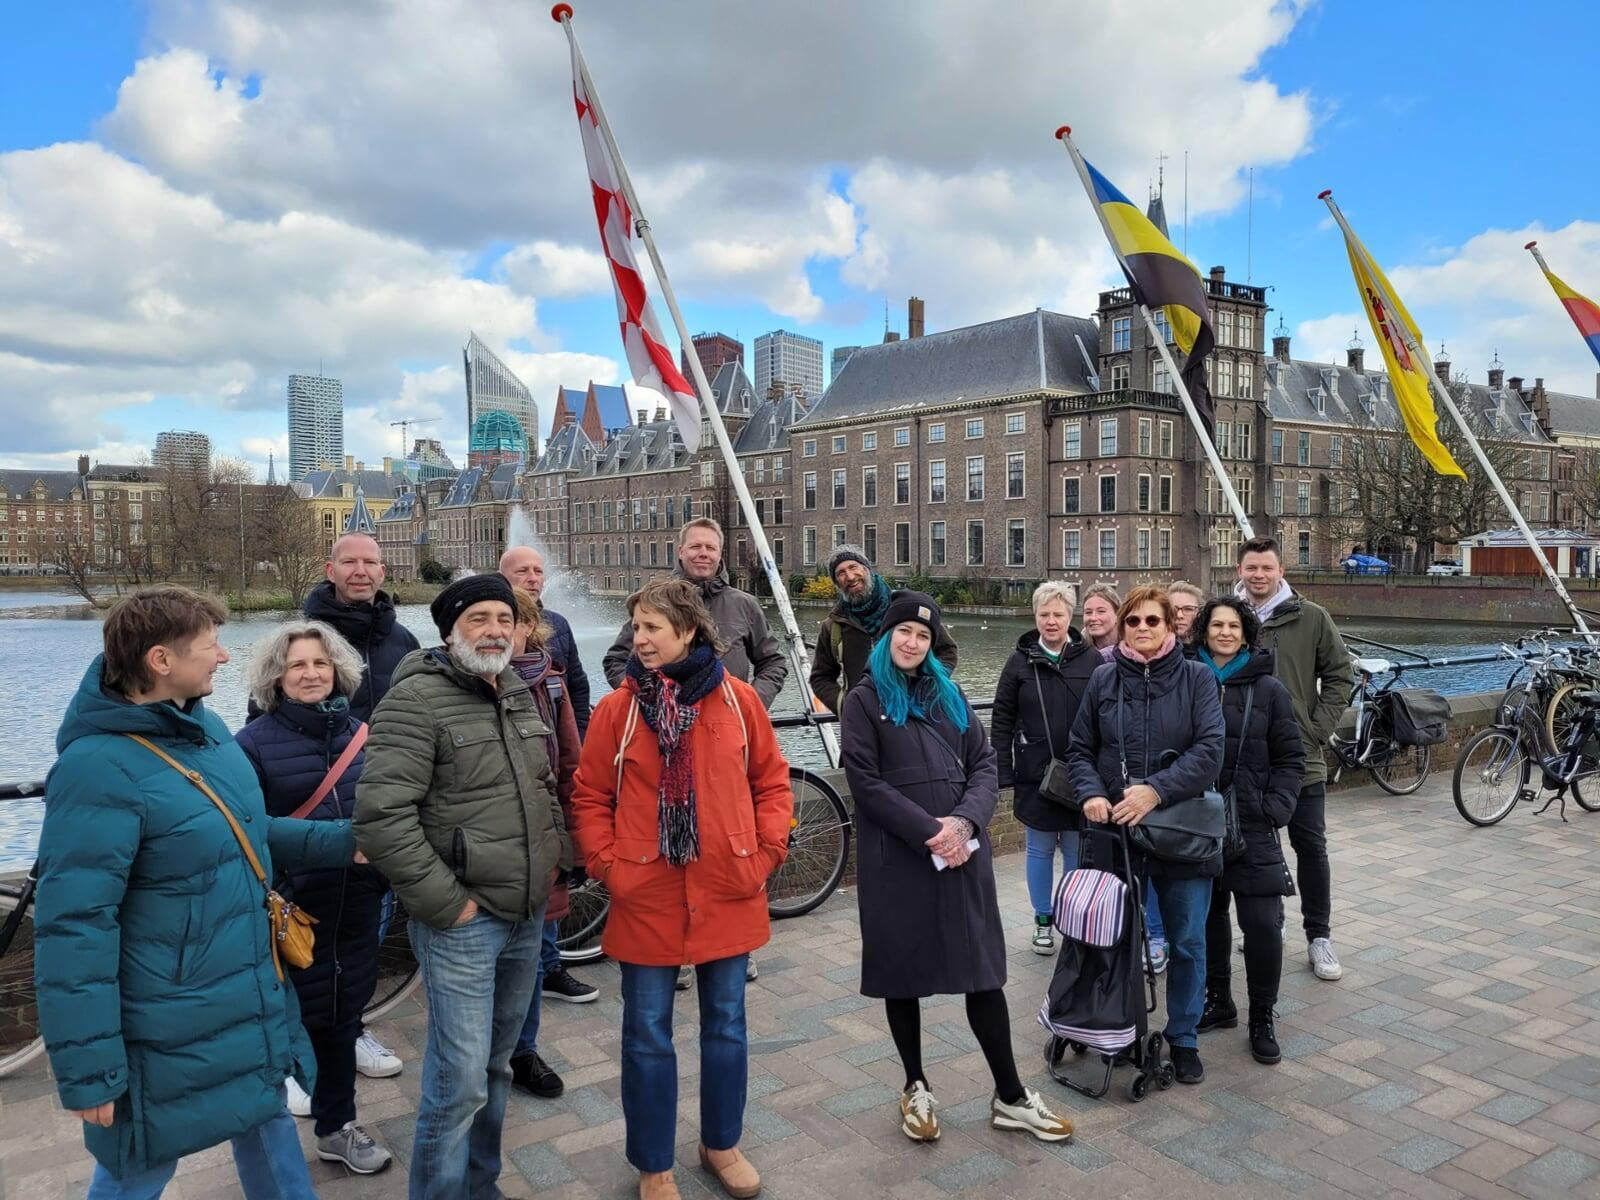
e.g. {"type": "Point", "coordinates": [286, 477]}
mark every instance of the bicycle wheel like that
{"type": "Point", "coordinates": [1403, 769]}
{"type": "Point", "coordinates": [1561, 714]}
{"type": "Point", "coordinates": [398, 972]}
{"type": "Point", "coordinates": [819, 847]}
{"type": "Point", "coordinates": [20, 1042]}
{"type": "Point", "coordinates": [578, 935]}
{"type": "Point", "coordinates": [1591, 802]}
{"type": "Point", "coordinates": [1490, 775]}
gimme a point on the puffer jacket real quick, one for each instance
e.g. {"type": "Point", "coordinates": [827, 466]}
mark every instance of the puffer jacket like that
{"type": "Point", "coordinates": [714, 906]}
{"type": "Point", "coordinates": [457, 800]}
{"type": "Point", "coordinates": [1314, 665]}
{"type": "Point", "coordinates": [292, 749]}
{"type": "Point", "coordinates": [153, 960]}
{"type": "Point", "coordinates": [1264, 765]}
{"type": "Point", "coordinates": [752, 653]}
{"type": "Point", "coordinates": [843, 647]}
{"type": "Point", "coordinates": [375, 632]}
{"type": "Point", "coordinates": [1023, 732]}
{"type": "Point", "coordinates": [1170, 731]}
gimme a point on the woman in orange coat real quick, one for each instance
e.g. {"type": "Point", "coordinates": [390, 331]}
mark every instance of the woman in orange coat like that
{"type": "Point", "coordinates": [682, 810]}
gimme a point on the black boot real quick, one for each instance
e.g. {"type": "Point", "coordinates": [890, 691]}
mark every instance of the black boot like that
{"type": "Point", "coordinates": [1263, 1037]}
{"type": "Point", "coordinates": [1219, 1012]}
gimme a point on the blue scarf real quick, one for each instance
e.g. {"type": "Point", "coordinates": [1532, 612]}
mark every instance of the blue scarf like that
{"type": "Point", "coordinates": [1223, 674]}
{"type": "Point", "coordinates": [871, 609]}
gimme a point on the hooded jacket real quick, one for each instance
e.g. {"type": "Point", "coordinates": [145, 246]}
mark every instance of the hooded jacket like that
{"type": "Point", "coordinates": [1023, 730]}
{"type": "Point", "coordinates": [154, 968]}
{"type": "Point", "coordinates": [843, 647]}
{"type": "Point", "coordinates": [376, 634]}
{"type": "Point", "coordinates": [752, 654]}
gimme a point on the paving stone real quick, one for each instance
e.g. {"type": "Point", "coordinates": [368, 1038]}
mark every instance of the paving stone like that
{"type": "Point", "coordinates": [541, 1165]}
{"type": "Point", "coordinates": [1386, 1097]}
{"type": "Point", "coordinates": [973, 1171]}
{"type": "Point", "coordinates": [1511, 1109]}
{"type": "Point", "coordinates": [1422, 1153]}
{"type": "Point", "coordinates": [1559, 1171]}
{"type": "Point", "coordinates": [858, 1100]}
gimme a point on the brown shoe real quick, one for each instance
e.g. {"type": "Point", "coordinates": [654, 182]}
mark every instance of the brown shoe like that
{"type": "Point", "coordinates": [658, 1185]}
{"type": "Point", "coordinates": [733, 1171]}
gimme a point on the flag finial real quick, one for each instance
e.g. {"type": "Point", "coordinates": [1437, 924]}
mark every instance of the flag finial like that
{"type": "Point", "coordinates": [1530, 245]}
{"type": "Point", "coordinates": [561, 12]}
{"type": "Point", "coordinates": [1324, 193]}
{"type": "Point", "coordinates": [1063, 131]}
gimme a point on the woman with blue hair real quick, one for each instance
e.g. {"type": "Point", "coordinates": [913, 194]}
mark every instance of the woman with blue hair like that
{"type": "Point", "coordinates": [923, 777]}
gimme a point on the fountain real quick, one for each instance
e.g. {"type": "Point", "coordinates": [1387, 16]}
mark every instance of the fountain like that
{"type": "Point", "coordinates": [564, 591]}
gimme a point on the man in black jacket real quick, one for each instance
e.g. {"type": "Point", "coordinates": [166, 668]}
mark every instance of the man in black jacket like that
{"type": "Point", "coordinates": [524, 567]}
{"type": "Point", "coordinates": [351, 601]}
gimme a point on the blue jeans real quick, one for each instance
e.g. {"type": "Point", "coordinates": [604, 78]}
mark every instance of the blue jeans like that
{"type": "Point", "coordinates": [1186, 903]}
{"type": "Point", "coordinates": [549, 960]}
{"type": "Point", "coordinates": [268, 1159]}
{"type": "Point", "coordinates": [650, 1066]}
{"type": "Point", "coordinates": [478, 978]}
{"type": "Point", "coordinates": [1041, 866]}
{"type": "Point", "coordinates": [1153, 924]}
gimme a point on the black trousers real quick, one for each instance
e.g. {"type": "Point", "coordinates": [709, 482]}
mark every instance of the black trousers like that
{"type": "Point", "coordinates": [1261, 921]}
{"type": "Point", "coordinates": [1308, 834]}
{"type": "Point", "coordinates": [333, 1100]}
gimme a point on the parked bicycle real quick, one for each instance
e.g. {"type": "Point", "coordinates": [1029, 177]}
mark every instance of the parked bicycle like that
{"type": "Point", "coordinates": [1395, 728]}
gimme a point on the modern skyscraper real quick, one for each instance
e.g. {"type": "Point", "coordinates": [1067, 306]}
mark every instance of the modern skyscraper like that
{"type": "Point", "coordinates": [791, 359]}
{"type": "Point", "coordinates": [714, 349]}
{"type": "Point", "coordinates": [316, 424]}
{"type": "Point", "coordinates": [185, 450]}
{"type": "Point", "coordinates": [492, 386]}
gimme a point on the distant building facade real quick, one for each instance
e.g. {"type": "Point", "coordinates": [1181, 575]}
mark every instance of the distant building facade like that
{"type": "Point", "coordinates": [185, 450]}
{"type": "Point", "coordinates": [790, 359]}
{"type": "Point", "coordinates": [316, 424]}
{"type": "Point", "coordinates": [492, 386]}
{"type": "Point", "coordinates": [713, 349]}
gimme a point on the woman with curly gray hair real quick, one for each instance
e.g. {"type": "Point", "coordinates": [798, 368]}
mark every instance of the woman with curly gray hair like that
{"type": "Point", "coordinates": [306, 747]}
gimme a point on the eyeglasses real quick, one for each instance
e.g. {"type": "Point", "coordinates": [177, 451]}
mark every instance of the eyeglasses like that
{"type": "Point", "coordinates": [1149, 621]}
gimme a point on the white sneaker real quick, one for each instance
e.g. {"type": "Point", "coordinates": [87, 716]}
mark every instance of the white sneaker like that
{"type": "Point", "coordinates": [1030, 1114]}
{"type": "Point", "coordinates": [373, 1058]}
{"type": "Point", "coordinates": [299, 1102]}
{"type": "Point", "coordinates": [1324, 962]}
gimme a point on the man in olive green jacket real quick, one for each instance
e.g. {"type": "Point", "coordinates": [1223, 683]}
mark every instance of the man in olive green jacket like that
{"type": "Point", "coordinates": [1313, 664]}
{"type": "Point", "coordinates": [457, 806]}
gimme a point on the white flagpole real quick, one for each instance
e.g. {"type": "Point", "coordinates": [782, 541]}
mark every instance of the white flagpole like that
{"type": "Point", "coordinates": [799, 660]}
{"type": "Point", "coordinates": [1239, 514]}
{"type": "Point", "coordinates": [1442, 395]}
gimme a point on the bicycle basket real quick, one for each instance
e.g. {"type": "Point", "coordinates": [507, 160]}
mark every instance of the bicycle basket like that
{"type": "Point", "coordinates": [1417, 716]}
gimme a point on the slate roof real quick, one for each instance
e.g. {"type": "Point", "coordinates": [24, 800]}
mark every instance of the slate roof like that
{"type": "Point", "coordinates": [403, 508]}
{"type": "Point", "coordinates": [653, 446]}
{"type": "Point", "coordinates": [464, 489]}
{"type": "Point", "coordinates": [58, 485]}
{"type": "Point", "coordinates": [566, 449]}
{"type": "Point", "coordinates": [1574, 414]}
{"type": "Point", "coordinates": [360, 518]}
{"type": "Point", "coordinates": [1028, 354]}
{"type": "Point", "coordinates": [768, 429]}
{"type": "Point", "coordinates": [123, 473]}
{"type": "Point", "coordinates": [326, 484]}
{"type": "Point", "coordinates": [731, 388]}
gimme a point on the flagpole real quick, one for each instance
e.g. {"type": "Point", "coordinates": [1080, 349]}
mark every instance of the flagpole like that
{"type": "Point", "coordinates": [1442, 395]}
{"type": "Point", "coordinates": [1239, 514]}
{"type": "Point", "coordinates": [799, 660]}
{"type": "Point", "coordinates": [1533, 249]}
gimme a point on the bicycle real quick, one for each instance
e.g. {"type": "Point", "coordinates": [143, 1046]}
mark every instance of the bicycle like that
{"type": "Point", "coordinates": [1397, 769]}
{"type": "Point", "coordinates": [1495, 769]}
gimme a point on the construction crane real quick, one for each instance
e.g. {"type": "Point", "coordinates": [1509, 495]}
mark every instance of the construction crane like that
{"type": "Point", "coordinates": [405, 431]}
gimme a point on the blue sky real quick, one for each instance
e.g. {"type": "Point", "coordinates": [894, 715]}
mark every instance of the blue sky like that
{"type": "Point", "coordinates": [205, 161]}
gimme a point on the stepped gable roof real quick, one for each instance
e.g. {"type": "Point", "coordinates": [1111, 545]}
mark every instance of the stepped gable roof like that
{"type": "Point", "coordinates": [1022, 355]}
{"type": "Point", "coordinates": [1328, 394]}
{"type": "Point", "coordinates": [17, 484]}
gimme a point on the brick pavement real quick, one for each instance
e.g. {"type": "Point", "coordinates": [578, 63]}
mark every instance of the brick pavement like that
{"type": "Point", "coordinates": [1460, 1056]}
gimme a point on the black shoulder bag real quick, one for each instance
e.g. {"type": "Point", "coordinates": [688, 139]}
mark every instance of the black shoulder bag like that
{"type": "Point", "coordinates": [1056, 785]}
{"type": "Point", "coordinates": [1186, 832]}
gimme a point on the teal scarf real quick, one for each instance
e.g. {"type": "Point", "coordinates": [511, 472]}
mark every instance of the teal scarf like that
{"type": "Point", "coordinates": [1223, 674]}
{"type": "Point", "coordinates": [869, 612]}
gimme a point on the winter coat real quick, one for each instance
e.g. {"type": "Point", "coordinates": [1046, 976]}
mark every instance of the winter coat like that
{"type": "Point", "coordinates": [457, 800]}
{"type": "Point", "coordinates": [923, 932]}
{"type": "Point", "coordinates": [375, 633]}
{"type": "Point", "coordinates": [752, 654]}
{"type": "Point", "coordinates": [563, 647]}
{"type": "Point", "coordinates": [714, 906]}
{"type": "Point", "coordinates": [1264, 765]}
{"type": "Point", "coordinates": [556, 710]}
{"type": "Point", "coordinates": [843, 647]}
{"type": "Point", "coordinates": [292, 748]}
{"type": "Point", "coordinates": [1170, 729]}
{"type": "Point", "coordinates": [1315, 666]}
{"type": "Point", "coordinates": [1023, 733]}
{"type": "Point", "coordinates": [153, 961]}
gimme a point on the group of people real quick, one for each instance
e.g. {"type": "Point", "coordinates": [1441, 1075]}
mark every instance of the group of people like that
{"type": "Point", "coordinates": [465, 786]}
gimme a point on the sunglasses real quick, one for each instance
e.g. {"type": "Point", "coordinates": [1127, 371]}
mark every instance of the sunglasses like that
{"type": "Point", "coordinates": [1134, 620]}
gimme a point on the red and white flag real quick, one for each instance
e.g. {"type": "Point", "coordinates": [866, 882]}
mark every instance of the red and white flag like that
{"type": "Point", "coordinates": [649, 359]}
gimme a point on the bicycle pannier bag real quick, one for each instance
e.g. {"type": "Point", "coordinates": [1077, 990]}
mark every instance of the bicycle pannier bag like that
{"type": "Point", "coordinates": [1418, 716]}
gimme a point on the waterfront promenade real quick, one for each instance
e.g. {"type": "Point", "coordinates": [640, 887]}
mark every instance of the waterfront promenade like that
{"type": "Point", "coordinates": [1460, 1055]}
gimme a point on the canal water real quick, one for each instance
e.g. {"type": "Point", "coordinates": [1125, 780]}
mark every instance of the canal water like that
{"type": "Point", "coordinates": [45, 660]}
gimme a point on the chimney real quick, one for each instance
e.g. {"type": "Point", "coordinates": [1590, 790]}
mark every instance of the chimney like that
{"type": "Point", "coordinates": [349, 462]}
{"type": "Point", "coordinates": [1355, 357]}
{"type": "Point", "coordinates": [642, 413]}
{"type": "Point", "coordinates": [661, 413]}
{"type": "Point", "coordinates": [1280, 347]}
{"type": "Point", "coordinates": [914, 317]}
{"type": "Point", "coordinates": [1540, 403]}
{"type": "Point", "coordinates": [1218, 274]}
{"type": "Point", "coordinates": [1441, 366]}
{"type": "Point", "coordinates": [890, 336]}
{"type": "Point", "coordinates": [1515, 384]}
{"type": "Point", "coordinates": [388, 465]}
{"type": "Point", "coordinates": [1497, 378]}
{"type": "Point", "coordinates": [83, 460]}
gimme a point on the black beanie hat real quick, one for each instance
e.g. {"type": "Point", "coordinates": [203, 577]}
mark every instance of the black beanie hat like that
{"type": "Point", "coordinates": [911, 606]}
{"type": "Point", "coordinates": [843, 555]}
{"type": "Point", "coordinates": [464, 593]}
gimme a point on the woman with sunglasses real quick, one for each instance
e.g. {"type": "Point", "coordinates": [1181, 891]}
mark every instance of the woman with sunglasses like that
{"type": "Point", "coordinates": [1149, 733]}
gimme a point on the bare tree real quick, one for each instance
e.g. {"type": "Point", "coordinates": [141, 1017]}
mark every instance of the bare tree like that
{"type": "Point", "coordinates": [283, 532]}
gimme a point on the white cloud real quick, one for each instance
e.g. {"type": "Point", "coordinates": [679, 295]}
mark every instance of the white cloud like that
{"type": "Point", "coordinates": [1326, 339]}
{"type": "Point", "coordinates": [544, 268]}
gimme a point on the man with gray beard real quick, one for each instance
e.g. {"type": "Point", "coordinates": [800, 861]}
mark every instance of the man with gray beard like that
{"type": "Point", "coordinates": [457, 806]}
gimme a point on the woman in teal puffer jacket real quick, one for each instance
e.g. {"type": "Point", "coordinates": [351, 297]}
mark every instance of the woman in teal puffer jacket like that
{"type": "Point", "coordinates": [168, 1027]}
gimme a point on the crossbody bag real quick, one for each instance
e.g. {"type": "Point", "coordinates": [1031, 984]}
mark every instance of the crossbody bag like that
{"type": "Point", "coordinates": [1056, 785]}
{"type": "Point", "coordinates": [1188, 831]}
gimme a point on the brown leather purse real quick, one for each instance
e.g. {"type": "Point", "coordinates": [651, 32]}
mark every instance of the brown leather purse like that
{"type": "Point", "coordinates": [289, 925]}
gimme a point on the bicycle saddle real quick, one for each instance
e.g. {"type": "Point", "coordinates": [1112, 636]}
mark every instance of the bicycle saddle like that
{"type": "Point", "coordinates": [1588, 699]}
{"type": "Point", "coordinates": [1373, 666]}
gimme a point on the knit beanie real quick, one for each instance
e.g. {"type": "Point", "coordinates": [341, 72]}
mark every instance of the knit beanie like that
{"type": "Point", "coordinates": [843, 555]}
{"type": "Point", "coordinates": [464, 593]}
{"type": "Point", "coordinates": [912, 606]}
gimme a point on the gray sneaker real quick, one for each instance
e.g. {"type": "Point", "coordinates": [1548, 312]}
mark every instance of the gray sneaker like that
{"type": "Point", "coordinates": [1324, 962]}
{"type": "Point", "coordinates": [353, 1146]}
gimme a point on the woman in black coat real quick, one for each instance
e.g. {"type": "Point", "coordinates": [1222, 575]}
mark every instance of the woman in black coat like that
{"type": "Point", "coordinates": [922, 775]}
{"type": "Point", "coordinates": [302, 679]}
{"type": "Point", "coordinates": [1263, 763]}
{"type": "Point", "coordinates": [1149, 733]}
{"type": "Point", "coordinates": [1035, 704]}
